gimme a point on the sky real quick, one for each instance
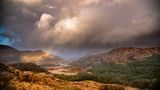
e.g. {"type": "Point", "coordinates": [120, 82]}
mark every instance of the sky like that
{"type": "Point", "coordinates": [74, 28]}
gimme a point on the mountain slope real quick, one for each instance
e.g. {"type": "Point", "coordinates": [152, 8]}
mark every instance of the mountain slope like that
{"type": "Point", "coordinates": [10, 55]}
{"type": "Point", "coordinates": [119, 56]}
{"type": "Point", "coordinates": [142, 74]}
{"type": "Point", "coordinates": [28, 67]}
{"type": "Point", "coordinates": [39, 57]}
{"type": "Point", "coordinates": [5, 48]}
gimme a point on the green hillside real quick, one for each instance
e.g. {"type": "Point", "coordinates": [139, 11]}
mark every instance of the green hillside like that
{"type": "Point", "coordinates": [142, 74]}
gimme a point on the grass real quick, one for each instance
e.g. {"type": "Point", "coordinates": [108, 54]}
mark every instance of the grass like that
{"type": "Point", "coordinates": [141, 74]}
{"type": "Point", "coordinates": [28, 67]}
{"type": "Point", "coordinates": [111, 87]}
{"type": "Point", "coordinates": [72, 88]}
{"type": "Point", "coordinates": [15, 79]}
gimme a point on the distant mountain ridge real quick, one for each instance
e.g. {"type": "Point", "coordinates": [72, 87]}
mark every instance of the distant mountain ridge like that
{"type": "Point", "coordinates": [119, 56]}
{"type": "Point", "coordinates": [10, 55]}
{"type": "Point", "coordinates": [4, 48]}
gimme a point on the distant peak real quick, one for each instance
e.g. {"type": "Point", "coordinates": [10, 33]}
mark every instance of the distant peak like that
{"type": "Point", "coordinates": [6, 48]}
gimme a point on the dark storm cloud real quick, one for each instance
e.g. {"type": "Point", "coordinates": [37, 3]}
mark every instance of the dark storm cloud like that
{"type": "Point", "coordinates": [77, 24]}
{"type": "Point", "coordinates": [2, 10]}
{"type": "Point", "coordinates": [156, 5]}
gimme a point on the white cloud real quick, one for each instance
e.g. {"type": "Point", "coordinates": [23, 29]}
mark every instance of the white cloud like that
{"type": "Point", "coordinates": [87, 2]}
{"type": "Point", "coordinates": [86, 22]}
{"type": "Point", "coordinates": [50, 7]}
{"type": "Point", "coordinates": [28, 12]}
{"type": "Point", "coordinates": [119, 2]}
{"type": "Point", "coordinates": [104, 24]}
{"type": "Point", "coordinates": [45, 21]}
{"type": "Point", "coordinates": [30, 2]}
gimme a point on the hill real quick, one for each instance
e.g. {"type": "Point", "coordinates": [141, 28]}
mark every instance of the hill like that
{"type": "Point", "coordinates": [118, 56]}
{"type": "Point", "coordinates": [5, 48]}
{"type": "Point", "coordinates": [142, 74]}
{"type": "Point", "coordinates": [9, 55]}
{"type": "Point", "coordinates": [15, 79]}
{"type": "Point", "coordinates": [28, 67]}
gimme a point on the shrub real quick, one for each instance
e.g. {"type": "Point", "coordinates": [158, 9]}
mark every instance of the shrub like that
{"type": "Point", "coordinates": [156, 85]}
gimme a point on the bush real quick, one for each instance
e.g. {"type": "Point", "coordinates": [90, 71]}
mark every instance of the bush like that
{"type": "Point", "coordinates": [156, 85]}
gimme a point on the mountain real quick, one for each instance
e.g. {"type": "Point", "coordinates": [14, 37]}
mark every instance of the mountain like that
{"type": "Point", "coordinates": [9, 55]}
{"type": "Point", "coordinates": [4, 48]}
{"type": "Point", "coordinates": [119, 56]}
{"type": "Point", "coordinates": [39, 57]}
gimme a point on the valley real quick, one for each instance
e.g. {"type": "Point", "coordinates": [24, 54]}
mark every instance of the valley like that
{"type": "Point", "coordinates": [118, 69]}
{"type": "Point", "coordinates": [80, 45]}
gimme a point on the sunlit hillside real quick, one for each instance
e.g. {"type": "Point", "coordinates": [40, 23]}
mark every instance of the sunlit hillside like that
{"type": "Point", "coordinates": [15, 79]}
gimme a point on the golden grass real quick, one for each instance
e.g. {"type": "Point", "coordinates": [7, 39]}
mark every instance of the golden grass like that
{"type": "Point", "coordinates": [13, 79]}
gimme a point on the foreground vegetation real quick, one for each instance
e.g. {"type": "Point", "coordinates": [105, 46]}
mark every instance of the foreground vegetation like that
{"type": "Point", "coordinates": [18, 77]}
{"type": "Point", "coordinates": [141, 74]}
